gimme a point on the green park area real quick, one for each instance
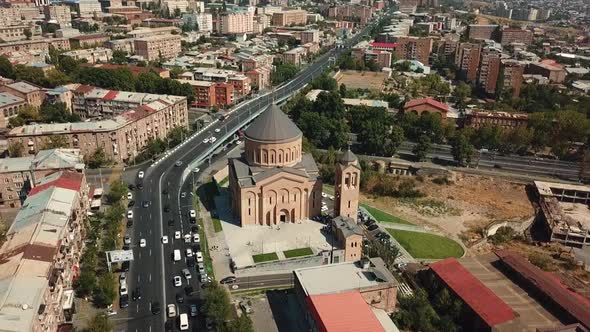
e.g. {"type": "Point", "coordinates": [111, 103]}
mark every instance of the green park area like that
{"type": "Point", "coordinates": [383, 216]}
{"type": "Point", "coordinates": [298, 252]}
{"type": "Point", "coordinates": [271, 256]}
{"type": "Point", "coordinates": [426, 245]}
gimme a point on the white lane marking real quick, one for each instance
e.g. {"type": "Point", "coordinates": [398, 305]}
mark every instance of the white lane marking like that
{"type": "Point", "coordinates": [139, 253]}
{"type": "Point", "coordinates": [150, 252]}
{"type": "Point", "coordinates": [138, 278]}
{"type": "Point", "coordinates": [137, 308]}
{"type": "Point", "coordinates": [150, 278]}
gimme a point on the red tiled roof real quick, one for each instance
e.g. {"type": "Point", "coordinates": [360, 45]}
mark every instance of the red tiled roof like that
{"type": "Point", "coordinates": [111, 95]}
{"type": "Point", "coordinates": [434, 103]}
{"type": "Point", "coordinates": [474, 293]}
{"type": "Point", "coordinates": [573, 303]}
{"type": "Point", "coordinates": [84, 88]}
{"type": "Point", "coordinates": [343, 312]}
{"type": "Point", "coordinates": [383, 45]}
{"type": "Point", "coordinates": [67, 180]}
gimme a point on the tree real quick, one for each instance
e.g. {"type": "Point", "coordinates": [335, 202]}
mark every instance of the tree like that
{"type": "Point", "coordinates": [55, 142]}
{"type": "Point", "coordinates": [119, 57]}
{"type": "Point", "coordinates": [241, 324]}
{"type": "Point", "coordinates": [283, 72]}
{"type": "Point", "coordinates": [105, 291]}
{"type": "Point", "coordinates": [69, 65]}
{"type": "Point", "coordinates": [176, 135]}
{"type": "Point", "coordinates": [97, 159]}
{"type": "Point", "coordinates": [85, 283]}
{"type": "Point", "coordinates": [422, 148]}
{"type": "Point", "coordinates": [55, 78]}
{"type": "Point", "coordinates": [462, 149]}
{"type": "Point", "coordinates": [15, 149]}
{"type": "Point", "coordinates": [415, 313]}
{"type": "Point", "coordinates": [6, 69]}
{"type": "Point", "coordinates": [216, 305]}
{"type": "Point", "coordinates": [460, 94]}
{"type": "Point", "coordinates": [117, 191]}
{"type": "Point", "coordinates": [57, 113]}
{"type": "Point", "coordinates": [343, 90]}
{"type": "Point", "coordinates": [27, 32]}
{"type": "Point", "coordinates": [324, 82]}
{"type": "Point", "coordinates": [394, 140]}
{"type": "Point", "coordinates": [100, 323]}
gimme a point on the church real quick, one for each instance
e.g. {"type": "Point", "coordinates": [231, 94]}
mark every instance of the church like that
{"type": "Point", "coordinates": [275, 182]}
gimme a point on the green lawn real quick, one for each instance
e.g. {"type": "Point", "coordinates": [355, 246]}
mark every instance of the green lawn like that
{"type": "Point", "coordinates": [425, 245]}
{"type": "Point", "coordinates": [216, 224]}
{"type": "Point", "coordinates": [328, 189]}
{"type": "Point", "coordinates": [384, 216]}
{"type": "Point", "coordinates": [204, 244]}
{"type": "Point", "coordinates": [271, 256]}
{"type": "Point", "coordinates": [298, 252]}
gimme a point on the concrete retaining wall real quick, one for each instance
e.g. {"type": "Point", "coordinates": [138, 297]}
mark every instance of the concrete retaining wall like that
{"type": "Point", "coordinates": [517, 226]}
{"type": "Point", "coordinates": [286, 265]}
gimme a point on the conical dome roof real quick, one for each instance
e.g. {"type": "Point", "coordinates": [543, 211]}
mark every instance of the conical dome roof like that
{"type": "Point", "coordinates": [273, 125]}
{"type": "Point", "coordinates": [348, 157]}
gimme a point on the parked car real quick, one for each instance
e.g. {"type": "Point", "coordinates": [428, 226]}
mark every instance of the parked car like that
{"type": "Point", "coordinates": [246, 307]}
{"type": "Point", "coordinates": [187, 274]}
{"type": "Point", "coordinates": [171, 309]}
{"type": "Point", "coordinates": [194, 310]}
{"type": "Point", "coordinates": [179, 298]}
{"type": "Point", "coordinates": [199, 256]}
{"type": "Point", "coordinates": [228, 280]}
{"type": "Point", "coordinates": [124, 301]}
{"type": "Point", "coordinates": [177, 281]}
{"type": "Point", "coordinates": [140, 174]}
{"type": "Point", "coordinates": [372, 227]}
{"type": "Point", "coordinates": [155, 308]}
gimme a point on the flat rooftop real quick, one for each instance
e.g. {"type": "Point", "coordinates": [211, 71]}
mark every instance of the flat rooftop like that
{"type": "Point", "coordinates": [336, 278]}
{"type": "Point", "coordinates": [549, 188]}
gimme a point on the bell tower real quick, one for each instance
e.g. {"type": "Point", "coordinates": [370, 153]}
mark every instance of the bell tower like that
{"type": "Point", "coordinates": [346, 190]}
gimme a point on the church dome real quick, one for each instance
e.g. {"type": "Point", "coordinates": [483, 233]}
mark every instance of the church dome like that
{"type": "Point", "coordinates": [273, 125]}
{"type": "Point", "coordinates": [348, 157]}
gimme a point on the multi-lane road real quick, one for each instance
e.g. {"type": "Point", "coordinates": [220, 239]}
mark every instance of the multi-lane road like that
{"type": "Point", "coordinates": [153, 268]}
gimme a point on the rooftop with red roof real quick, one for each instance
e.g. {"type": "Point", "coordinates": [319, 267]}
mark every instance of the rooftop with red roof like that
{"type": "Point", "coordinates": [487, 305]}
{"type": "Point", "coordinates": [383, 45]}
{"type": "Point", "coordinates": [432, 102]}
{"type": "Point", "coordinates": [67, 180]}
{"type": "Point", "coordinates": [343, 312]}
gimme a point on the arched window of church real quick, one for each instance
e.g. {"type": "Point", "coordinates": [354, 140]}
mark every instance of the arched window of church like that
{"type": "Point", "coordinates": [280, 158]}
{"type": "Point", "coordinates": [272, 158]}
{"type": "Point", "coordinates": [292, 155]}
{"type": "Point", "coordinates": [265, 158]}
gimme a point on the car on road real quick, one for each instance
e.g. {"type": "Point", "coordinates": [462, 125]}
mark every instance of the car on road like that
{"type": "Point", "coordinates": [171, 309]}
{"type": "Point", "coordinates": [228, 280]}
{"type": "Point", "coordinates": [124, 301]}
{"type": "Point", "coordinates": [324, 195]}
{"type": "Point", "coordinates": [140, 174]}
{"type": "Point", "coordinates": [140, 186]}
{"type": "Point", "coordinates": [187, 274]}
{"type": "Point", "coordinates": [183, 322]}
{"type": "Point", "coordinates": [179, 298]}
{"type": "Point", "coordinates": [165, 239]}
{"type": "Point", "coordinates": [131, 204]}
{"type": "Point", "coordinates": [213, 139]}
{"type": "Point", "coordinates": [187, 238]}
{"type": "Point", "coordinates": [206, 140]}
{"type": "Point", "coordinates": [177, 281]}
{"type": "Point", "coordinates": [193, 214]}
{"type": "Point", "coordinates": [217, 130]}
{"type": "Point", "coordinates": [136, 294]}
{"type": "Point", "coordinates": [169, 326]}
{"type": "Point", "coordinates": [204, 278]}
{"type": "Point", "coordinates": [201, 268]}
{"type": "Point", "coordinates": [167, 208]}
{"type": "Point", "coordinates": [183, 194]}
{"type": "Point", "coordinates": [177, 235]}
{"type": "Point", "coordinates": [165, 192]}
{"type": "Point", "coordinates": [155, 308]}
{"type": "Point", "coordinates": [199, 257]}
{"type": "Point", "coordinates": [130, 214]}
{"type": "Point", "coordinates": [170, 222]}
{"type": "Point", "coordinates": [194, 228]}
{"type": "Point", "coordinates": [145, 204]}
{"type": "Point", "coordinates": [129, 196]}
{"type": "Point", "coordinates": [196, 238]}
{"type": "Point", "coordinates": [131, 186]}
{"type": "Point", "coordinates": [194, 310]}
{"type": "Point", "coordinates": [190, 261]}
{"type": "Point", "coordinates": [123, 278]}
{"type": "Point", "coordinates": [188, 290]}
{"type": "Point", "coordinates": [176, 255]}
{"type": "Point", "coordinates": [196, 170]}
{"type": "Point", "coordinates": [178, 163]}
{"type": "Point", "coordinates": [189, 252]}
{"type": "Point", "coordinates": [142, 243]}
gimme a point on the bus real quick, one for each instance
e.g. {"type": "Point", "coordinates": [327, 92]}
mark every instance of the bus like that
{"type": "Point", "coordinates": [183, 322]}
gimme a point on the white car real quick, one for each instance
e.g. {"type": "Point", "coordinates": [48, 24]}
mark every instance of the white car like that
{"type": "Point", "coordinates": [217, 130]}
{"type": "Point", "coordinates": [193, 214]}
{"type": "Point", "coordinates": [165, 239]}
{"type": "Point", "coordinates": [129, 196]}
{"type": "Point", "coordinates": [183, 194]}
{"type": "Point", "coordinates": [196, 170]}
{"type": "Point", "coordinates": [199, 256]}
{"type": "Point", "coordinates": [142, 243]}
{"type": "Point", "coordinates": [206, 140]}
{"type": "Point", "coordinates": [196, 238]}
{"type": "Point", "coordinates": [130, 214]}
{"type": "Point", "coordinates": [187, 238]}
{"type": "Point", "coordinates": [213, 139]}
{"type": "Point", "coordinates": [171, 310]}
{"type": "Point", "coordinates": [187, 274]}
{"type": "Point", "coordinates": [140, 174]}
{"type": "Point", "coordinates": [324, 195]}
{"type": "Point", "coordinates": [177, 281]}
{"type": "Point", "coordinates": [189, 252]}
{"type": "Point", "coordinates": [177, 235]}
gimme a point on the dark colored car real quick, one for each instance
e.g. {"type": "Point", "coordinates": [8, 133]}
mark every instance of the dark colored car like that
{"type": "Point", "coordinates": [372, 227]}
{"type": "Point", "coordinates": [190, 261]}
{"type": "Point", "coordinates": [179, 298]}
{"type": "Point", "coordinates": [136, 294]}
{"type": "Point", "coordinates": [165, 192]}
{"type": "Point", "coordinates": [131, 186]}
{"type": "Point", "coordinates": [194, 228]}
{"type": "Point", "coordinates": [124, 301]}
{"type": "Point", "coordinates": [145, 204]}
{"type": "Point", "coordinates": [228, 280]}
{"type": "Point", "coordinates": [169, 326]}
{"type": "Point", "coordinates": [155, 308]}
{"type": "Point", "coordinates": [140, 186]}
{"type": "Point", "coordinates": [188, 290]}
{"type": "Point", "coordinates": [125, 266]}
{"type": "Point", "coordinates": [166, 208]}
{"type": "Point", "coordinates": [170, 222]}
{"type": "Point", "coordinates": [131, 204]}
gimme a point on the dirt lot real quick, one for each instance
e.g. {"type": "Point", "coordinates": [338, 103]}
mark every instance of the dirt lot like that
{"type": "Point", "coordinates": [469, 202]}
{"type": "Point", "coordinates": [362, 80]}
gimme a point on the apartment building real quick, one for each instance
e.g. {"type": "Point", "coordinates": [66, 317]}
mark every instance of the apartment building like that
{"type": "Point", "coordinates": [203, 20]}
{"type": "Point", "coordinates": [156, 47]}
{"type": "Point", "coordinates": [15, 15]}
{"type": "Point", "coordinates": [19, 176]}
{"type": "Point", "coordinates": [414, 48]}
{"type": "Point", "coordinates": [88, 8]}
{"type": "Point", "coordinates": [58, 14]}
{"type": "Point", "coordinates": [512, 72]}
{"type": "Point", "coordinates": [224, 95]}
{"type": "Point", "coordinates": [209, 94]}
{"type": "Point", "coordinates": [489, 70]}
{"type": "Point", "coordinates": [483, 31]}
{"type": "Point", "coordinates": [382, 58]}
{"type": "Point", "coordinates": [289, 18]}
{"type": "Point", "coordinates": [258, 69]}
{"type": "Point", "coordinates": [40, 257]}
{"type": "Point", "coordinates": [91, 56]}
{"type": "Point", "coordinates": [32, 94]}
{"type": "Point", "coordinates": [352, 13]}
{"type": "Point", "coordinates": [10, 105]}
{"type": "Point", "coordinates": [310, 36]}
{"type": "Point", "coordinates": [85, 41]}
{"type": "Point", "coordinates": [505, 120]}
{"type": "Point", "coordinates": [143, 32]}
{"type": "Point", "coordinates": [467, 59]}
{"type": "Point", "coordinates": [510, 36]}
{"type": "Point", "coordinates": [19, 32]}
{"type": "Point", "coordinates": [238, 22]}
{"type": "Point", "coordinates": [241, 83]}
{"type": "Point", "coordinates": [122, 137]}
{"type": "Point", "coordinates": [38, 45]}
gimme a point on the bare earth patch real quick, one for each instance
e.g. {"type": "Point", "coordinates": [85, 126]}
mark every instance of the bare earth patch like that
{"type": "Point", "coordinates": [468, 203]}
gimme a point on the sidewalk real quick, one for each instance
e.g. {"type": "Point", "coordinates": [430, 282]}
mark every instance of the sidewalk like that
{"type": "Point", "coordinates": [219, 257]}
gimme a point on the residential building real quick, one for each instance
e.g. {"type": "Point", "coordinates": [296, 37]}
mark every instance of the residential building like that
{"type": "Point", "coordinates": [19, 32]}
{"type": "Point", "coordinates": [489, 69]}
{"type": "Point", "coordinates": [505, 120]}
{"type": "Point", "coordinates": [482, 31]}
{"type": "Point", "coordinates": [91, 56]}
{"type": "Point", "coordinates": [40, 257]}
{"type": "Point", "coordinates": [294, 56]}
{"type": "Point", "coordinates": [274, 181]}
{"type": "Point", "coordinates": [426, 105]}
{"type": "Point", "coordinates": [88, 8]}
{"type": "Point", "coordinates": [551, 70]}
{"type": "Point", "coordinates": [310, 36]}
{"type": "Point", "coordinates": [414, 48]}
{"type": "Point", "coordinates": [204, 21]}
{"type": "Point", "coordinates": [37, 45]}
{"type": "Point", "coordinates": [157, 47]}
{"type": "Point", "coordinates": [10, 105]}
{"type": "Point", "coordinates": [289, 18]}
{"type": "Point", "coordinates": [512, 75]}
{"type": "Point", "coordinates": [85, 41]}
{"type": "Point", "coordinates": [19, 175]}
{"type": "Point", "coordinates": [122, 137]}
{"type": "Point", "coordinates": [224, 95]}
{"type": "Point", "coordinates": [238, 22]}
{"type": "Point", "coordinates": [142, 32]}
{"type": "Point", "coordinates": [204, 93]}
{"type": "Point", "coordinates": [33, 95]}
{"type": "Point", "coordinates": [58, 14]}
{"type": "Point", "coordinates": [240, 82]}
{"type": "Point", "coordinates": [467, 60]}
{"type": "Point", "coordinates": [510, 36]}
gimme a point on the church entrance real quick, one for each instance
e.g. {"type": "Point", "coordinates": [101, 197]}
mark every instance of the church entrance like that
{"type": "Point", "coordinates": [284, 216]}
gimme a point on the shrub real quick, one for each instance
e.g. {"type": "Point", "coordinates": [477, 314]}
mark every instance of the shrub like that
{"type": "Point", "coordinates": [540, 260]}
{"type": "Point", "coordinates": [442, 180]}
{"type": "Point", "coordinates": [503, 234]}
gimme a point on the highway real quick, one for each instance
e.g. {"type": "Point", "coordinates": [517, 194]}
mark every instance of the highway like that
{"type": "Point", "coordinates": [153, 268]}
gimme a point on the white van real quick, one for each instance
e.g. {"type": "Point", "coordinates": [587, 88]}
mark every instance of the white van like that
{"type": "Point", "coordinates": [176, 255]}
{"type": "Point", "coordinates": [183, 322]}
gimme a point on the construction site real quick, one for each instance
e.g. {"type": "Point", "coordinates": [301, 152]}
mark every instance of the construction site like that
{"type": "Point", "coordinates": [564, 212]}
